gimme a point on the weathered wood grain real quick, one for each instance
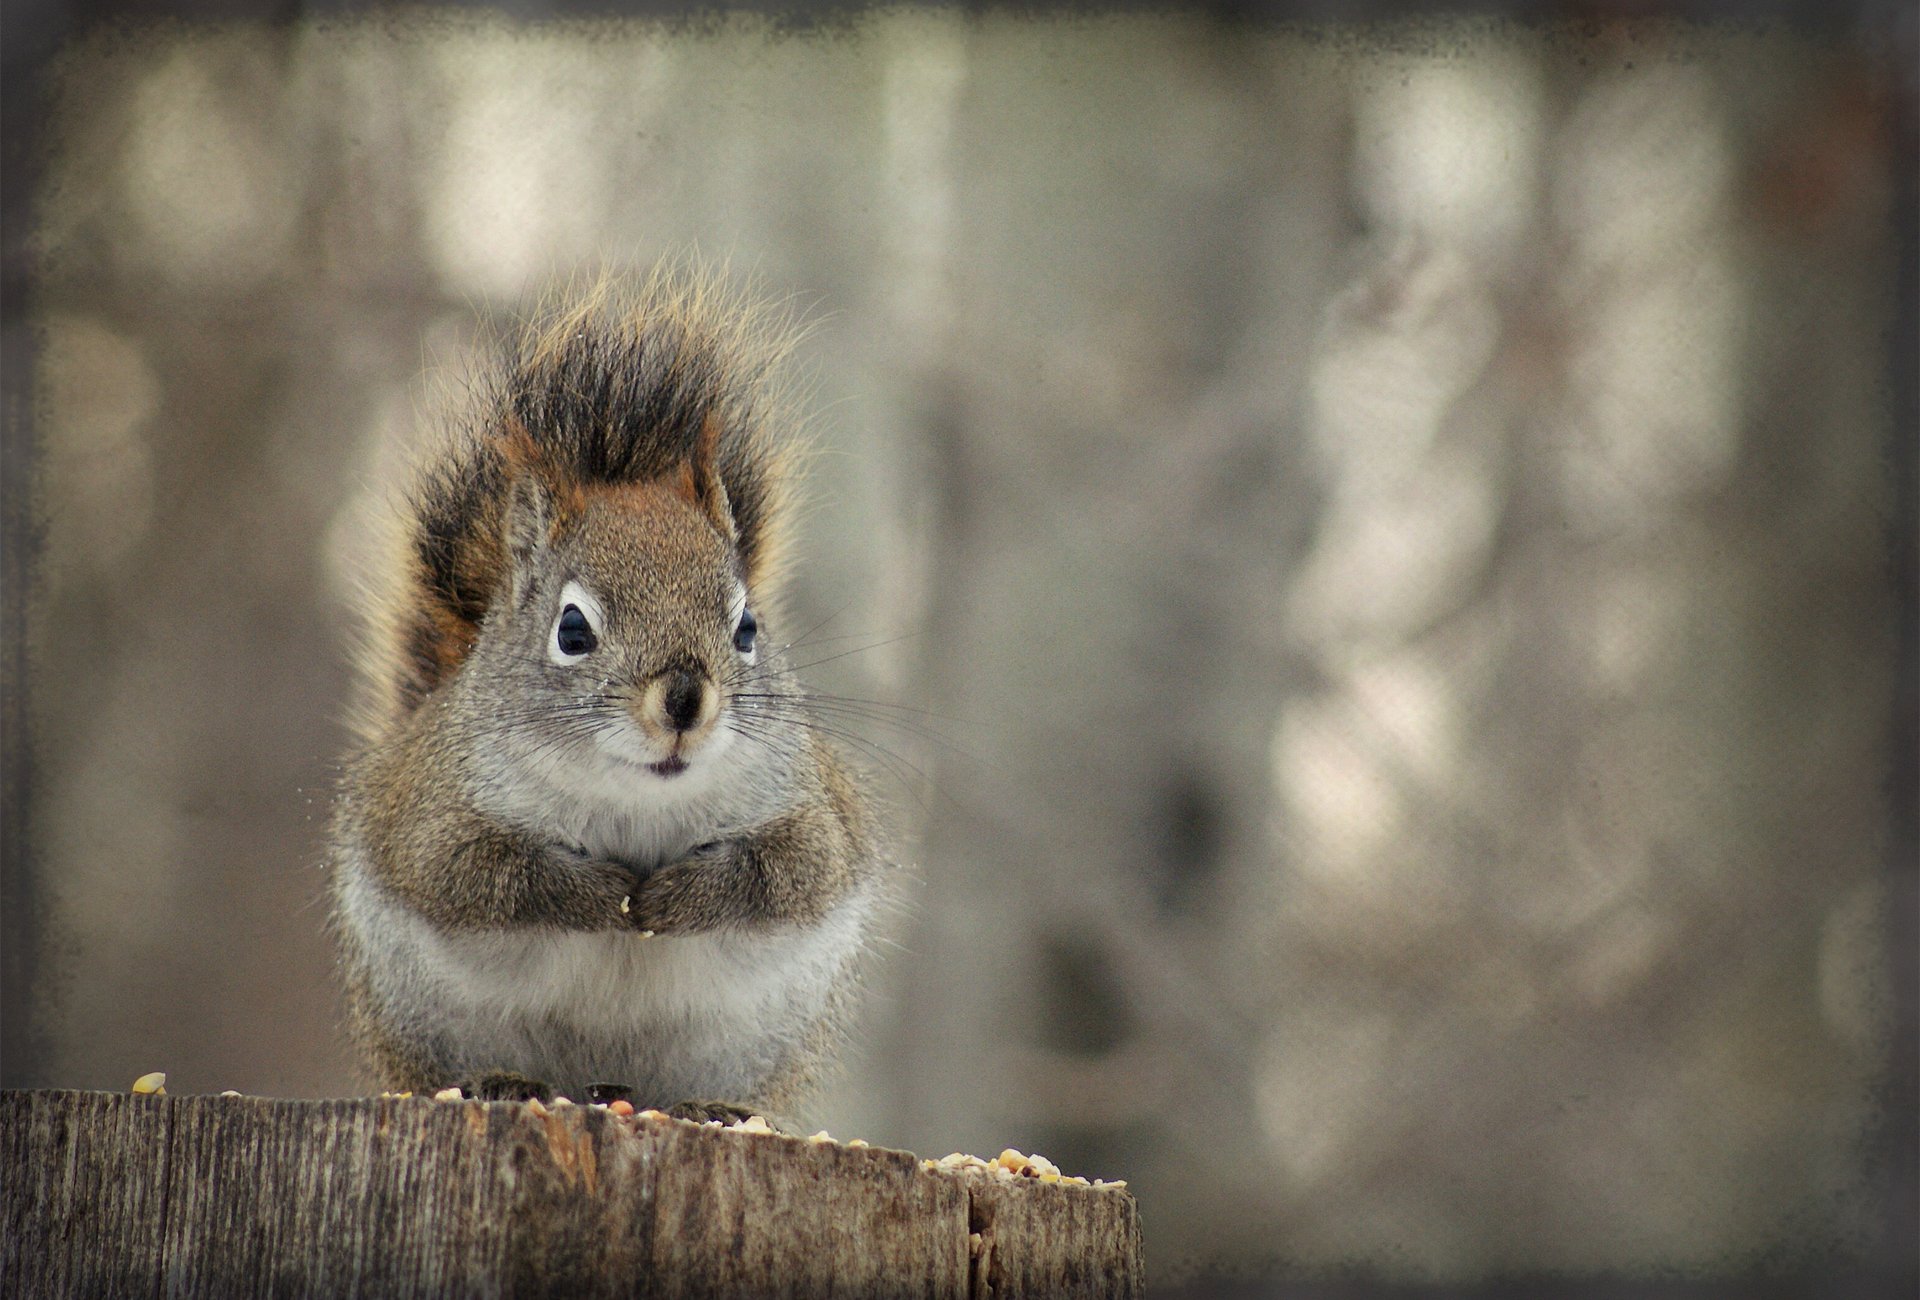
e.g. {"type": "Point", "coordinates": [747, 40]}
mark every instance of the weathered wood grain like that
{"type": "Point", "coordinates": [115, 1194]}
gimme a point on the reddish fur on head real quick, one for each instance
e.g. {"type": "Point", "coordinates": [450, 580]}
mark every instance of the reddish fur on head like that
{"type": "Point", "coordinates": [671, 386]}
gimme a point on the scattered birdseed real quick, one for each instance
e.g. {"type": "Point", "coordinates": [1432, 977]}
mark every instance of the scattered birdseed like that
{"type": "Point", "coordinates": [1010, 1165]}
{"type": "Point", "coordinates": [154, 1084]}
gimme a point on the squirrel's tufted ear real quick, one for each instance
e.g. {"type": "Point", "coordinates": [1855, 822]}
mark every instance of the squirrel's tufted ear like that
{"type": "Point", "coordinates": [529, 517]}
{"type": "Point", "coordinates": [532, 503]}
{"type": "Point", "coordinates": [699, 481]}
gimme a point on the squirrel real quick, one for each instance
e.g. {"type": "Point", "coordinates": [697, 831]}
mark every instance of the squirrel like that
{"type": "Point", "coordinates": [592, 841]}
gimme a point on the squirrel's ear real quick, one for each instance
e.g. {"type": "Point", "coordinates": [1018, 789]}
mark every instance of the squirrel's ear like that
{"type": "Point", "coordinates": [699, 477]}
{"type": "Point", "coordinates": [531, 505]}
{"type": "Point", "coordinates": [529, 517]}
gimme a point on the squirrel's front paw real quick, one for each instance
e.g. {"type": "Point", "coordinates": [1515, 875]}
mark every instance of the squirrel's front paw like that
{"type": "Point", "coordinates": [605, 889]}
{"type": "Point", "coordinates": [644, 909]}
{"type": "Point", "coordinates": [693, 894]}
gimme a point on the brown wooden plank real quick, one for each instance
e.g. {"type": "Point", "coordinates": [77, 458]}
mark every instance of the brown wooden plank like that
{"type": "Point", "coordinates": [1052, 1239]}
{"type": "Point", "coordinates": [85, 1193]}
{"type": "Point", "coordinates": [214, 1196]}
{"type": "Point", "coordinates": [853, 1221]}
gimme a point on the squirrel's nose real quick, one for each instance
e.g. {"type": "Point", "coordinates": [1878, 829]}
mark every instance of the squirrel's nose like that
{"type": "Point", "coordinates": [677, 702]}
{"type": "Point", "coordinates": [684, 701]}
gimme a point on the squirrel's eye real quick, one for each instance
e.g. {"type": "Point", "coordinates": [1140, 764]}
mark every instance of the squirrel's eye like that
{"type": "Point", "coordinates": [574, 635]}
{"type": "Point", "coordinates": [744, 634]}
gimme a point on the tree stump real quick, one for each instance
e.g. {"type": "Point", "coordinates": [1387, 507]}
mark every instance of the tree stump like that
{"type": "Point", "coordinates": [119, 1194]}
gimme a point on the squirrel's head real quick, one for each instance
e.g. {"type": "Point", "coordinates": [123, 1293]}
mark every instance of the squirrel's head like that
{"type": "Point", "coordinates": [625, 623]}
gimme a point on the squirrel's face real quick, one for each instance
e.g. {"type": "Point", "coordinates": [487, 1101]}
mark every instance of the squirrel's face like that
{"type": "Point", "coordinates": [630, 624]}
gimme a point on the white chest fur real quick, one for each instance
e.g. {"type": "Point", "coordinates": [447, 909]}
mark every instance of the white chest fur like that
{"type": "Point", "coordinates": [676, 1017]}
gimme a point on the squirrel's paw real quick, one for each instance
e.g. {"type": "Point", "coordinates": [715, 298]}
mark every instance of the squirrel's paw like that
{"type": "Point", "coordinates": [648, 908]}
{"type": "Point", "coordinates": [601, 892]}
{"type": "Point", "coordinates": [504, 1085]}
{"type": "Point", "coordinates": [693, 894]}
{"type": "Point", "coordinates": [701, 1112]}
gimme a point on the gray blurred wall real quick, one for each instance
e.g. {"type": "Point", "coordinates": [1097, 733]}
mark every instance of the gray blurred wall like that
{"type": "Point", "coordinates": [1369, 548]}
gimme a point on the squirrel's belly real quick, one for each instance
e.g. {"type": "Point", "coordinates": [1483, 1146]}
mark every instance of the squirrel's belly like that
{"type": "Point", "coordinates": [675, 1017]}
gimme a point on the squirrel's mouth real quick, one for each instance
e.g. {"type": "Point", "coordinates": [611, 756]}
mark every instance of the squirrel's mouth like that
{"type": "Point", "coordinates": [690, 759]}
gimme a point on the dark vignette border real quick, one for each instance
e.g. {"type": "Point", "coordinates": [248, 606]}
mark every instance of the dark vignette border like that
{"type": "Point", "coordinates": [1886, 32]}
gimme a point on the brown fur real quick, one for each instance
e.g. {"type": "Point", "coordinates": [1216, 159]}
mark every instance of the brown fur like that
{"type": "Point", "coordinates": [631, 443]}
{"type": "Point", "coordinates": [676, 381]}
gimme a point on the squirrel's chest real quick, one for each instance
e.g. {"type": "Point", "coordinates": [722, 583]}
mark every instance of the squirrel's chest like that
{"type": "Point", "coordinates": [619, 982]}
{"type": "Point", "coordinates": [674, 1016]}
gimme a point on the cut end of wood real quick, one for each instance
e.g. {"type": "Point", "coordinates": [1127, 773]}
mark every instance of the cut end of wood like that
{"type": "Point", "coordinates": [111, 1192]}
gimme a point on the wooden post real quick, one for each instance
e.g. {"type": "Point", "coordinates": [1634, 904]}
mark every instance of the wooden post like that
{"type": "Point", "coordinates": [118, 1194]}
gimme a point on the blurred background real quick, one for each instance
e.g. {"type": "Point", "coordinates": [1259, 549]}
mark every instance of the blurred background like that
{"type": "Point", "coordinates": [1380, 555]}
